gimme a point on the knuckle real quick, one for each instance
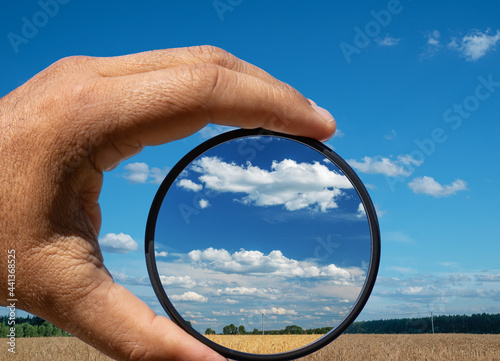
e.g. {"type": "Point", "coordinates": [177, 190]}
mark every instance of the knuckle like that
{"type": "Point", "coordinates": [205, 80]}
{"type": "Point", "coordinates": [75, 62]}
{"type": "Point", "coordinates": [214, 55]}
{"type": "Point", "coordinates": [139, 354]}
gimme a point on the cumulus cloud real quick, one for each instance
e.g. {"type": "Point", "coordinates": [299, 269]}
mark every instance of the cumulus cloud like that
{"type": "Point", "coordinates": [188, 184]}
{"type": "Point", "coordinates": [183, 281]}
{"type": "Point", "coordinates": [136, 172]}
{"type": "Point", "coordinates": [403, 166]}
{"type": "Point", "coordinates": [288, 183]}
{"type": "Point", "coordinates": [280, 311]}
{"type": "Point", "coordinates": [140, 172]}
{"type": "Point", "coordinates": [245, 291]}
{"type": "Point", "coordinates": [361, 211]}
{"type": "Point", "coordinates": [203, 203]}
{"type": "Point", "coordinates": [161, 254]}
{"type": "Point", "coordinates": [485, 277]}
{"type": "Point", "coordinates": [475, 44]}
{"type": "Point", "coordinates": [117, 243]}
{"type": "Point", "coordinates": [256, 262]}
{"type": "Point", "coordinates": [388, 41]}
{"type": "Point", "coordinates": [189, 296]}
{"type": "Point", "coordinates": [427, 185]}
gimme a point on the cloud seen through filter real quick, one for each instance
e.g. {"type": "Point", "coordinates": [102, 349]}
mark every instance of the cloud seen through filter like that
{"type": "Point", "coordinates": [288, 183]}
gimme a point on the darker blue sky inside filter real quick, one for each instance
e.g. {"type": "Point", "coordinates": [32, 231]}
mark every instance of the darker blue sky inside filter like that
{"type": "Point", "coordinates": [338, 236]}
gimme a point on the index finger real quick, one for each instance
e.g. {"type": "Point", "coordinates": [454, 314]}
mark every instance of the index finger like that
{"type": "Point", "coordinates": [170, 58]}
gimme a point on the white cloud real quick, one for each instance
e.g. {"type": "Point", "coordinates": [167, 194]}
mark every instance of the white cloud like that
{"type": "Point", "coordinates": [427, 185]}
{"type": "Point", "coordinates": [230, 301]}
{"type": "Point", "coordinates": [137, 172]}
{"type": "Point", "coordinates": [157, 175]}
{"type": "Point", "coordinates": [245, 291]}
{"type": "Point", "coordinates": [140, 172]}
{"type": "Point", "coordinates": [387, 41]}
{"type": "Point", "coordinates": [256, 262]}
{"type": "Point", "coordinates": [361, 211]}
{"type": "Point", "coordinates": [183, 281]}
{"type": "Point", "coordinates": [203, 203]}
{"type": "Point", "coordinates": [269, 311]}
{"type": "Point", "coordinates": [288, 183]}
{"type": "Point", "coordinates": [485, 277]}
{"type": "Point", "coordinates": [117, 243]}
{"type": "Point", "coordinates": [161, 254]}
{"type": "Point", "coordinates": [211, 130]}
{"type": "Point", "coordinates": [475, 44]}
{"type": "Point", "coordinates": [402, 166]}
{"type": "Point", "coordinates": [189, 185]}
{"type": "Point", "coordinates": [189, 296]}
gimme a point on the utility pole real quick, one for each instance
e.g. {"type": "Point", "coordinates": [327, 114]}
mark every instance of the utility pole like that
{"type": "Point", "coordinates": [432, 322]}
{"type": "Point", "coordinates": [262, 323]}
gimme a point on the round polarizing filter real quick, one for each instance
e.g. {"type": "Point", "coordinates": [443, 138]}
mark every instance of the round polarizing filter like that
{"type": "Point", "coordinates": [292, 187]}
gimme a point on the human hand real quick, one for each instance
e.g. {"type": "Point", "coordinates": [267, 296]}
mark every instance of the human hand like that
{"type": "Point", "coordinates": [80, 117]}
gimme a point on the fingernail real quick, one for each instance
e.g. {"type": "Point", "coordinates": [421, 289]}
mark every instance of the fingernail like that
{"type": "Point", "coordinates": [325, 114]}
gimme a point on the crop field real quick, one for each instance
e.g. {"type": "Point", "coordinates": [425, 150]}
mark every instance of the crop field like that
{"type": "Point", "coordinates": [263, 344]}
{"type": "Point", "coordinates": [438, 347]}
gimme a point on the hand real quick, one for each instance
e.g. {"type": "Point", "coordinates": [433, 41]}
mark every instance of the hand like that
{"type": "Point", "coordinates": [80, 117]}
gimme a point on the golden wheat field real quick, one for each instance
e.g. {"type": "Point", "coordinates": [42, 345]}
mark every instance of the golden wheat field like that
{"type": "Point", "coordinates": [263, 344]}
{"type": "Point", "coordinates": [438, 347]}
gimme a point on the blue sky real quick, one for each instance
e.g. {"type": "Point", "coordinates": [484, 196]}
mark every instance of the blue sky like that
{"type": "Point", "coordinates": [414, 87]}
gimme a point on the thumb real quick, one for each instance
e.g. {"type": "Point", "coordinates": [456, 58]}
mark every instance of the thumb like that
{"type": "Point", "coordinates": [117, 323]}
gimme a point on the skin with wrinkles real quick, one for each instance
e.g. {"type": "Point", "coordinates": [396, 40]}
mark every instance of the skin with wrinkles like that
{"type": "Point", "coordinates": [82, 116]}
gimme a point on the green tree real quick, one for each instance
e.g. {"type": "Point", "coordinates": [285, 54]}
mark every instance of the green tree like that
{"type": "Point", "coordinates": [255, 331]}
{"type": "Point", "coordinates": [241, 330]}
{"type": "Point", "coordinates": [42, 330]}
{"type": "Point", "coordinates": [209, 331]}
{"type": "Point", "coordinates": [30, 330]}
{"type": "Point", "coordinates": [230, 330]}
{"type": "Point", "coordinates": [294, 330]}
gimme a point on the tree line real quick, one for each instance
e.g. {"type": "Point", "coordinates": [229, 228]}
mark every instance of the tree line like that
{"type": "Point", "coordinates": [232, 329]}
{"type": "Point", "coordinates": [476, 323]}
{"type": "Point", "coordinates": [31, 326]}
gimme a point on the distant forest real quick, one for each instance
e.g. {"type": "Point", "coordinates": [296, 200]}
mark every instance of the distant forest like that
{"type": "Point", "coordinates": [476, 323]}
{"type": "Point", "coordinates": [33, 326]}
